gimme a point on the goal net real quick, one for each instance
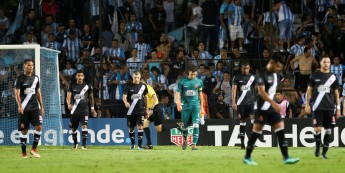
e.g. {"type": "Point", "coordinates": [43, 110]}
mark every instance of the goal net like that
{"type": "Point", "coordinates": [46, 67]}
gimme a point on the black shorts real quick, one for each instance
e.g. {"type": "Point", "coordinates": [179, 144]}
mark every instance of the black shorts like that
{"type": "Point", "coordinates": [323, 118]}
{"type": "Point", "coordinates": [76, 118]}
{"type": "Point", "coordinates": [244, 111]}
{"type": "Point", "coordinates": [269, 116]}
{"type": "Point", "coordinates": [155, 119]}
{"type": "Point", "coordinates": [135, 119]}
{"type": "Point", "coordinates": [33, 116]}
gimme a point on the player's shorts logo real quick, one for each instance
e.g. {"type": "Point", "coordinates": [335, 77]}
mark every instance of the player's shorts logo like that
{"type": "Point", "coordinates": [176, 136]}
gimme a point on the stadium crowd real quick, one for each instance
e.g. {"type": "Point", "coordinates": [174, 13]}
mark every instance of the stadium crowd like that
{"type": "Point", "coordinates": [112, 41]}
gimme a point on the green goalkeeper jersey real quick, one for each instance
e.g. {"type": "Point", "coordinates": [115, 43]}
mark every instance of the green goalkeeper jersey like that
{"type": "Point", "coordinates": [189, 89]}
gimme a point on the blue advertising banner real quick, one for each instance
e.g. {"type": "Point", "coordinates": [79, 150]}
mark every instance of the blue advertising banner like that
{"type": "Point", "coordinates": [105, 131]}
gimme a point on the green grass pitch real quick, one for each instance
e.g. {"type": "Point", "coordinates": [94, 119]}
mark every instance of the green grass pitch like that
{"type": "Point", "coordinates": [164, 159]}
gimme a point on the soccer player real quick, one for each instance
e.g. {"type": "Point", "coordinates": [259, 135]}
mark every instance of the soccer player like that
{"type": "Point", "coordinates": [135, 99]}
{"type": "Point", "coordinates": [157, 118]}
{"type": "Point", "coordinates": [243, 98]}
{"type": "Point", "coordinates": [152, 101]}
{"type": "Point", "coordinates": [30, 107]}
{"type": "Point", "coordinates": [324, 95]}
{"type": "Point", "coordinates": [79, 97]}
{"type": "Point", "coordinates": [189, 91]}
{"type": "Point", "coordinates": [268, 111]}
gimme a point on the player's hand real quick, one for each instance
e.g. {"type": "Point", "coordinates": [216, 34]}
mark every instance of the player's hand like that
{"type": "Point", "coordinates": [307, 109]}
{"type": "Point", "coordinates": [179, 108]}
{"type": "Point", "coordinates": [234, 107]}
{"type": "Point", "coordinates": [343, 112]}
{"type": "Point", "coordinates": [276, 107]}
{"type": "Point", "coordinates": [94, 113]}
{"type": "Point", "coordinates": [21, 110]}
{"type": "Point", "coordinates": [202, 112]}
{"type": "Point", "coordinates": [337, 114]}
{"type": "Point", "coordinates": [69, 107]}
{"type": "Point", "coordinates": [127, 105]}
{"type": "Point", "coordinates": [202, 120]}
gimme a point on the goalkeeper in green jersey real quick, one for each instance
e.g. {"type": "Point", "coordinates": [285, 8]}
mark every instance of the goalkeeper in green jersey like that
{"type": "Point", "coordinates": [189, 100]}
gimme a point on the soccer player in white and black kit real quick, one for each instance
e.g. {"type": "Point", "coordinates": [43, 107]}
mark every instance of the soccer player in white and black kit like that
{"type": "Point", "coordinates": [79, 99]}
{"type": "Point", "coordinates": [243, 98]}
{"type": "Point", "coordinates": [268, 111]}
{"type": "Point", "coordinates": [323, 88]}
{"type": "Point", "coordinates": [135, 99]}
{"type": "Point", "coordinates": [30, 106]}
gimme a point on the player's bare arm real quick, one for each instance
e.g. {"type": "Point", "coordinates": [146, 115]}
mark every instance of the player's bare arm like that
{"type": "Point", "coordinates": [68, 100]}
{"type": "Point", "coordinates": [234, 92]}
{"type": "Point", "coordinates": [124, 99]}
{"type": "Point", "coordinates": [92, 103]}
{"type": "Point", "coordinates": [40, 101]}
{"type": "Point", "coordinates": [308, 96]}
{"type": "Point", "coordinates": [19, 102]}
{"type": "Point", "coordinates": [178, 101]}
{"type": "Point", "coordinates": [265, 96]}
{"type": "Point", "coordinates": [202, 111]}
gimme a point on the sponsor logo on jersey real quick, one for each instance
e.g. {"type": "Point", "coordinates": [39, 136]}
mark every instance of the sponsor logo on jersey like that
{"type": "Point", "coordinates": [176, 136]}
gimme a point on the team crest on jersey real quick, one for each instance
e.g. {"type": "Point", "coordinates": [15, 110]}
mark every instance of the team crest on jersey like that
{"type": "Point", "coordinates": [176, 136]}
{"type": "Point", "coordinates": [269, 79]}
{"type": "Point", "coordinates": [196, 86]}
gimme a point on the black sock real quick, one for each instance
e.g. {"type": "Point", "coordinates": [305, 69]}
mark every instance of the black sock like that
{"type": "Point", "coordinates": [37, 136]}
{"type": "Point", "coordinates": [74, 137]}
{"type": "Point", "coordinates": [326, 141]}
{"type": "Point", "coordinates": [132, 136]}
{"type": "Point", "coordinates": [23, 140]}
{"type": "Point", "coordinates": [140, 138]}
{"type": "Point", "coordinates": [242, 132]}
{"type": "Point", "coordinates": [84, 136]}
{"type": "Point", "coordinates": [283, 144]}
{"type": "Point", "coordinates": [251, 143]}
{"type": "Point", "coordinates": [317, 136]}
{"type": "Point", "coordinates": [148, 135]}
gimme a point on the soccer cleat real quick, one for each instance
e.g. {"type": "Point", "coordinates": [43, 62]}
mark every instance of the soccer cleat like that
{"type": "Point", "coordinates": [249, 161]}
{"type": "Point", "coordinates": [132, 147]}
{"type": "Point", "coordinates": [140, 148]}
{"type": "Point", "coordinates": [194, 148]}
{"type": "Point", "coordinates": [317, 151]}
{"type": "Point", "coordinates": [148, 147]}
{"type": "Point", "coordinates": [24, 156]}
{"type": "Point", "coordinates": [34, 152]}
{"type": "Point", "coordinates": [75, 146]}
{"type": "Point", "coordinates": [323, 156]}
{"type": "Point", "coordinates": [83, 148]}
{"type": "Point", "coordinates": [290, 160]}
{"type": "Point", "coordinates": [184, 145]}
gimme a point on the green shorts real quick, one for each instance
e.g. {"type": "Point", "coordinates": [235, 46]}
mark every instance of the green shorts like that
{"type": "Point", "coordinates": [190, 115]}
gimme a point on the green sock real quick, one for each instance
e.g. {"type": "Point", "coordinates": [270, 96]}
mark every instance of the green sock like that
{"type": "Point", "coordinates": [195, 135]}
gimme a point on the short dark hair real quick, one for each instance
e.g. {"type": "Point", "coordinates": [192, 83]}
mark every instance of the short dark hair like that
{"type": "Point", "coordinates": [306, 49]}
{"type": "Point", "coordinates": [277, 58]}
{"type": "Point", "coordinates": [28, 60]}
{"type": "Point", "coordinates": [192, 69]}
{"type": "Point", "coordinates": [245, 63]}
{"type": "Point", "coordinates": [207, 68]}
{"type": "Point", "coordinates": [80, 71]}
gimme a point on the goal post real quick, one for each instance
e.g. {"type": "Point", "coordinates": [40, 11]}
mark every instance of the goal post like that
{"type": "Point", "coordinates": [47, 69]}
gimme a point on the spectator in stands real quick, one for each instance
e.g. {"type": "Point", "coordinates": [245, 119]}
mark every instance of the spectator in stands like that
{"type": "Point", "coordinates": [71, 46]}
{"type": "Point", "coordinates": [164, 48]}
{"type": "Point", "coordinates": [157, 19]}
{"type": "Point", "coordinates": [194, 59]}
{"type": "Point", "coordinates": [68, 72]}
{"type": "Point", "coordinates": [49, 8]}
{"type": "Point", "coordinates": [195, 21]}
{"type": "Point", "coordinates": [72, 26]}
{"type": "Point", "coordinates": [307, 27]}
{"type": "Point", "coordinates": [201, 72]}
{"type": "Point", "coordinates": [31, 22]}
{"type": "Point", "coordinates": [236, 60]}
{"type": "Point", "coordinates": [161, 81]}
{"type": "Point", "coordinates": [61, 34]}
{"type": "Point", "coordinates": [94, 10]}
{"type": "Point", "coordinates": [210, 82]}
{"type": "Point", "coordinates": [296, 51]}
{"type": "Point", "coordinates": [204, 54]}
{"type": "Point", "coordinates": [154, 61]}
{"type": "Point", "coordinates": [125, 10]}
{"type": "Point", "coordinates": [98, 56]}
{"type": "Point", "coordinates": [148, 77]}
{"type": "Point", "coordinates": [235, 16]}
{"type": "Point", "coordinates": [285, 111]}
{"type": "Point", "coordinates": [285, 18]}
{"type": "Point", "coordinates": [177, 67]}
{"type": "Point", "coordinates": [104, 92]}
{"type": "Point", "coordinates": [44, 34]}
{"type": "Point", "coordinates": [337, 69]}
{"type": "Point", "coordinates": [225, 86]}
{"type": "Point", "coordinates": [143, 48]}
{"type": "Point", "coordinates": [121, 79]}
{"type": "Point", "coordinates": [210, 16]}
{"type": "Point", "coordinates": [107, 35]}
{"type": "Point", "coordinates": [133, 63]}
{"type": "Point", "coordinates": [290, 94]}
{"type": "Point", "coordinates": [223, 57]}
{"type": "Point", "coordinates": [169, 7]}
{"type": "Point", "coordinates": [116, 54]}
{"type": "Point", "coordinates": [221, 108]}
{"type": "Point", "coordinates": [52, 44]}
{"type": "Point", "coordinates": [134, 27]}
{"type": "Point", "coordinates": [263, 60]}
{"type": "Point", "coordinates": [4, 21]}
{"type": "Point", "coordinates": [87, 38]}
{"type": "Point", "coordinates": [218, 72]}
{"type": "Point", "coordinates": [49, 19]}
{"type": "Point", "coordinates": [30, 38]}
{"type": "Point", "coordinates": [223, 18]}
{"type": "Point", "coordinates": [124, 38]}
{"type": "Point", "coordinates": [306, 63]}
{"type": "Point", "coordinates": [270, 29]}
